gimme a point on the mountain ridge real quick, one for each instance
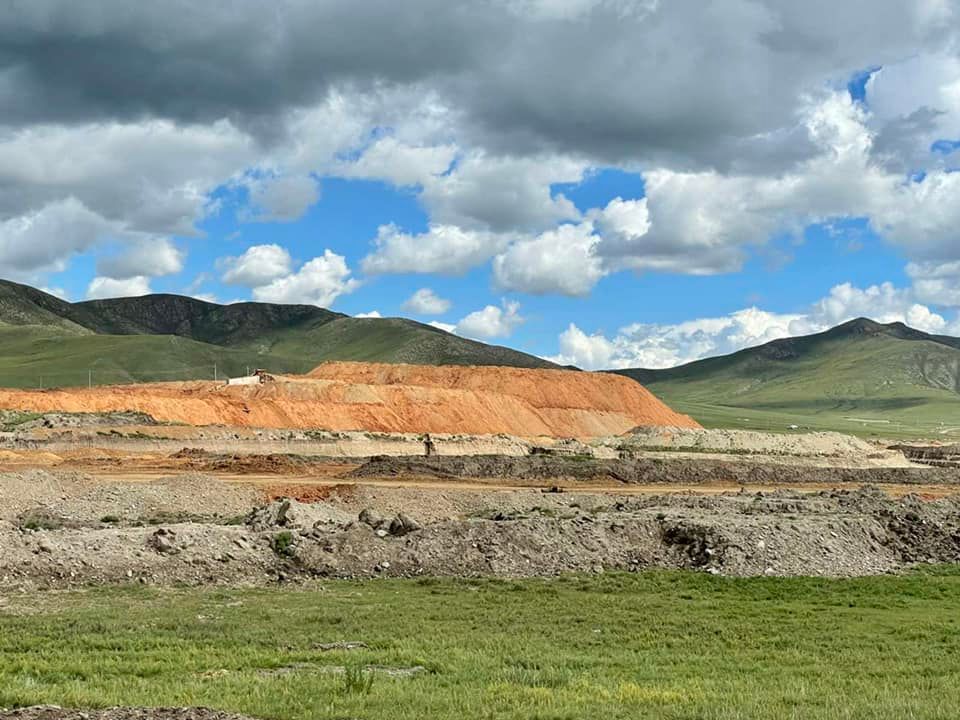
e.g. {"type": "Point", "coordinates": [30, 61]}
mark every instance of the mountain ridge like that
{"type": "Point", "coordinates": [165, 336]}
{"type": "Point", "coordinates": [860, 371]}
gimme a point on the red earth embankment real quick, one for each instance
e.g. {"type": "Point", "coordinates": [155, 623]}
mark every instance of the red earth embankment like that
{"type": "Point", "coordinates": [387, 398]}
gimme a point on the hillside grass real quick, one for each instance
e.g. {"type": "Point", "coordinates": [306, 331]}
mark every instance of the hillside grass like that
{"type": "Point", "coordinates": [870, 386]}
{"type": "Point", "coordinates": [32, 357]}
{"type": "Point", "coordinates": [657, 645]}
{"type": "Point", "coordinates": [851, 420]}
{"type": "Point", "coordinates": [35, 356]}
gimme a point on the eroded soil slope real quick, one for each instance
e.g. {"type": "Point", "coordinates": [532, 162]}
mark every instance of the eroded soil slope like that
{"type": "Point", "coordinates": [387, 398]}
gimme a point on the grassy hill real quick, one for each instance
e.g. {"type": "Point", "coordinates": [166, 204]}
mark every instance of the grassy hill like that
{"type": "Point", "coordinates": [862, 377]}
{"type": "Point", "coordinates": [45, 341]}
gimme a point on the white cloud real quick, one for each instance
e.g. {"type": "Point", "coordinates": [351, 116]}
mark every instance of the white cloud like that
{"type": "Point", "coordinates": [936, 283]}
{"type": "Point", "coordinates": [105, 287]}
{"type": "Point", "coordinates": [503, 193]}
{"type": "Point", "coordinates": [319, 282]}
{"type": "Point", "coordinates": [209, 297]}
{"type": "Point", "coordinates": [589, 351]}
{"type": "Point", "coordinates": [623, 224]}
{"type": "Point", "coordinates": [280, 198]}
{"type": "Point", "coordinates": [558, 261]}
{"type": "Point", "coordinates": [492, 321]}
{"type": "Point", "coordinates": [486, 109]}
{"type": "Point", "coordinates": [923, 217]}
{"type": "Point", "coordinates": [426, 302]}
{"type": "Point", "coordinates": [660, 346]}
{"type": "Point", "coordinates": [259, 265]}
{"type": "Point", "coordinates": [47, 238]}
{"type": "Point", "coordinates": [151, 177]}
{"type": "Point", "coordinates": [446, 327]}
{"type": "Point", "coordinates": [56, 292]}
{"type": "Point", "coordinates": [372, 314]}
{"type": "Point", "coordinates": [390, 159]}
{"type": "Point", "coordinates": [914, 103]}
{"type": "Point", "coordinates": [152, 257]}
{"type": "Point", "coordinates": [444, 249]}
{"type": "Point", "coordinates": [883, 303]}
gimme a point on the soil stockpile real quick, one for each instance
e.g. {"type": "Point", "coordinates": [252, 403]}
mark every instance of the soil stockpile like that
{"type": "Point", "coordinates": [815, 444]}
{"type": "Point", "coordinates": [387, 398]}
{"type": "Point", "coordinates": [642, 471]}
{"type": "Point", "coordinates": [832, 533]}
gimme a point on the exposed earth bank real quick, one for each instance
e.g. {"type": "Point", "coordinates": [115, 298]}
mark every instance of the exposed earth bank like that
{"type": "Point", "coordinates": [180, 532]}
{"type": "Point", "coordinates": [386, 398]}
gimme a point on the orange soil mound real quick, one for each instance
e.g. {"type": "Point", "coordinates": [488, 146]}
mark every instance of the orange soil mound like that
{"type": "Point", "coordinates": [387, 398]}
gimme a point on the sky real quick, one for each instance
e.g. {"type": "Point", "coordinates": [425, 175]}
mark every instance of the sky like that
{"type": "Point", "coordinates": [605, 183]}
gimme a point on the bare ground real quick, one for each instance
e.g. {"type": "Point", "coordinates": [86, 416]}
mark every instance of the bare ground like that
{"type": "Point", "coordinates": [727, 504]}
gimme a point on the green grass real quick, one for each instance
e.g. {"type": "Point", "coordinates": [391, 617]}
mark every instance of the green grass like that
{"type": "Point", "coordinates": [877, 425]}
{"type": "Point", "coordinates": [11, 420]}
{"type": "Point", "coordinates": [33, 357]}
{"type": "Point", "coordinates": [658, 645]}
{"type": "Point", "coordinates": [874, 385]}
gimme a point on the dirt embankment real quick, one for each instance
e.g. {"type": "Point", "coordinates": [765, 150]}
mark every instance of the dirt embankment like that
{"type": "Point", "coordinates": [645, 471]}
{"type": "Point", "coordinates": [387, 398]}
{"type": "Point", "coordinates": [832, 533]}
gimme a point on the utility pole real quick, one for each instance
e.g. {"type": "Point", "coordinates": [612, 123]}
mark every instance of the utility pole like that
{"type": "Point", "coordinates": [215, 378]}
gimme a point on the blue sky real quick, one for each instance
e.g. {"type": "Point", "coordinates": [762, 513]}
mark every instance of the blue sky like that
{"type": "Point", "coordinates": [636, 206]}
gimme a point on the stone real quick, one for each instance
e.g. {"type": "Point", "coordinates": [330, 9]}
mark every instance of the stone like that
{"type": "Point", "coordinates": [371, 518]}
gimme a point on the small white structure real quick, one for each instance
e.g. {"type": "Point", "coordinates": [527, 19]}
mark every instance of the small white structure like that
{"type": "Point", "coordinates": [248, 380]}
{"type": "Point", "coordinates": [258, 377]}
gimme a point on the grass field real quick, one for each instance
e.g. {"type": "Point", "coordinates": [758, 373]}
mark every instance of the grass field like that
{"type": "Point", "coordinates": [873, 386]}
{"type": "Point", "coordinates": [660, 645]}
{"type": "Point", "coordinates": [852, 421]}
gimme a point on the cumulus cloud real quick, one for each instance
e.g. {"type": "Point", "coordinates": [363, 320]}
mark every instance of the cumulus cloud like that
{"type": "Point", "coordinates": [280, 198]}
{"type": "Point", "coordinates": [884, 303]}
{"type": "Point", "coordinates": [152, 176]}
{"type": "Point", "coordinates": [152, 257]}
{"type": "Point", "coordinates": [492, 321]}
{"type": "Point", "coordinates": [426, 302]}
{"type": "Point", "coordinates": [444, 249]}
{"type": "Point", "coordinates": [446, 327]}
{"type": "Point", "coordinates": [558, 261]}
{"type": "Point", "coordinates": [496, 62]}
{"type": "Point", "coordinates": [503, 193]}
{"type": "Point", "coordinates": [105, 287]}
{"type": "Point", "coordinates": [318, 282]}
{"type": "Point", "coordinates": [482, 113]}
{"type": "Point", "coordinates": [389, 158]}
{"type": "Point", "coordinates": [46, 238]}
{"type": "Point", "coordinates": [660, 345]}
{"type": "Point", "coordinates": [259, 265]}
{"type": "Point", "coordinates": [936, 283]}
{"type": "Point", "coordinates": [371, 314]}
{"type": "Point", "coordinates": [913, 104]}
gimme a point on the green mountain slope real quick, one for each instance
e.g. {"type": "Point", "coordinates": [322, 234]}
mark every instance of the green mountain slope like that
{"type": "Point", "coordinates": [46, 341]}
{"type": "Point", "coordinates": [858, 377]}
